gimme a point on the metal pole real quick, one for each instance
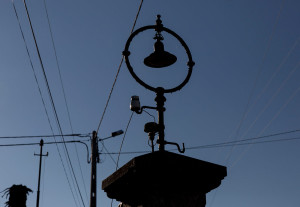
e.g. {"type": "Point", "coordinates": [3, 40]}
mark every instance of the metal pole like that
{"type": "Point", "coordinates": [40, 167]}
{"type": "Point", "coordinates": [94, 161]}
{"type": "Point", "coordinates": [160, 100]}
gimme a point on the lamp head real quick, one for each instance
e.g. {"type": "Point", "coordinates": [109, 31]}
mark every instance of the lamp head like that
{"type": "Point", "coordinates": [116, 133]}
{"type": "Point", "coordinates": [159, 58]}
{"type": "Point", "coordinates": [135, 104]}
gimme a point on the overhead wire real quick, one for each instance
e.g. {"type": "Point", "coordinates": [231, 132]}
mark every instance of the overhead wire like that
{"type": "Point", "coordinates": [275, 73]}
{"type": "Point", "coordinates": [32, 67]}
{"type": "Point", "coordinates": [118, 71]}
{"type": "Point", "coordinates": [45, 143]}
{"type": "Point", "coordinates": [113, 86]}
{"type": "Point", "coordinates": [129, 121]}
{"type": "Point", "coordinates": [217, 145]}
{"type": "Point", "coordinates": [107, 152]}
{"type": "Point", "coordinates": [44, 136]}
{"type": "Point", "coordinates": [246, 111]}
{"type": "Point", "coordinates": [230, 143]}
{"type": "Point", "coordinates": [271, 99]}
{"type": "Point", "coordinates": [45, 108]}
{"type": "Point", "coordinates": [269, 123]}
{"type": "Point", "coordinates": [269, 103]}
{"type": "Point", "coordinates": [64, 94]}
{"type": "Point", "coordinates": [252, 90]}
{"type": "Point", "coordinates": [119, 154]}
{"type": "Point", "coordinates": [52, 103]}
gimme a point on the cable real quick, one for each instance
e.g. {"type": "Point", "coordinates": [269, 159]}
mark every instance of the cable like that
{"type": "Point", "coordinates": [252, 138]}
{"type": "Point", "coordinates": [32, 67]}
{"type": "Point", "coordinates": [275, 73]}
{"type": "Point", "coordinates": [213, 146]}
{"type": "Point", "coordinates": [149, 115]}
{"type": "Point", "coordinates": [272, 98]}
{"type": "Point", "coordinates": [229, 143]}
{"type": "Point", "coordinates": [64, 94]}
{"type": "Point", "coordinates": [126, 153]}
{"type": "Point", "coordinates": [118, 71]}
{"type": "Point", "coordinates": [108, 152]}
{"type": "Point", "coordinates": [52, 102]}
{"type": "Point", "coordinates": [45, 143]}
{"type": "Point", "coordinates": [44, 136]}
{"type": "Point", "coordinates": [274, 117]}
{"type": "Point", "coordinates": [115, 80]}
{"type": "Point", "coordinates": [41, 96]}
{"type": "Point", "coordinates": [246, 111]}
{"type": "Point", "coordinates": [117, 165]}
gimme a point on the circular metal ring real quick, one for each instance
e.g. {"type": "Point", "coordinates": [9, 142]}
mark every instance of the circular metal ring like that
{"type": "Point", "coordinates": [190, 63]}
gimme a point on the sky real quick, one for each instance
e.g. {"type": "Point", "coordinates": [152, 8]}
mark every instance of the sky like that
{"type": "Point", "coordinates": [245, 84]}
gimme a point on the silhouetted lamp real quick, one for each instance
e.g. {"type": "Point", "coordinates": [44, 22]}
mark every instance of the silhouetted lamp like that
{"type": "Point", "coordinates": [161, 178]}
{"type": "Point", "coordinates": [159, 58]}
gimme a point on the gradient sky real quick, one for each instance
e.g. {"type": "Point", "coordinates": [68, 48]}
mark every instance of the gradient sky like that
{"type": "Point", "coordinates": [243, 50]}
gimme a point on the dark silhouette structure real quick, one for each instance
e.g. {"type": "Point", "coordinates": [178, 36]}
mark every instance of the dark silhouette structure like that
{"type": "Point", "coordinates": [161, 178]}
{"type": "Point", "coordinates": [164, 179]}
{"type": "Point", "coordinates": [17, 195]}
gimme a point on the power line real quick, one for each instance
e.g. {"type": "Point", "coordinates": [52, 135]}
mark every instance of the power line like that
{"type": "Point", "coordinates": [114, 83]}
{"type": "Point", "coordinates": [107, 152]}
{"type": "Point", "coordinates": [32, 67]}
{"type": "Point", "coordinates": [275, 73]}
{"type": "Point", "coordinates": [117, 164]}
{"type": "Point", "coordinates": [217, 145]}
{"type": "Point", "coordinates": [44, 136]}
{"type": "Point", "coordinates": [64, 94]}
{"type": "Point", "coordinates": [252, 138]}
{"type": "Point", "coordinates": [269, 123]}
{"type": "Point", "coordinates": [118, 71]}
{"type": "Point", "coordinates": [246, 111]}
{"type": "Point", "coordinates": [52, 102]}
{"type": "Point", "coordinates": [37, 143]}
{"type": "Point", "coordinates": [266, 107]}
{"type": "Point", "coordinates": [36, 80]}
{"type": "Point", "coordinates": [229, 143]}
{"type": "Point", "coordinates": [272, 98]}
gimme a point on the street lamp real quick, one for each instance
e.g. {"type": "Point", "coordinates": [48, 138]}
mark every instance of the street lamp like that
{"type": "Point", "coordinates": [161, 178]}
{"type": "Point", "coordinates": [158, 59]}
{"type": "Point", "coordinates": [94, 160]}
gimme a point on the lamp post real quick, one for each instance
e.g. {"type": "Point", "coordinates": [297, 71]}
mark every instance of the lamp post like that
{"type": "Point", "coordinates": [161, 178]}
{"type": "Point", "coordinates": [159, 59]}
{"type": "Point", "coordinates": [94, 160]}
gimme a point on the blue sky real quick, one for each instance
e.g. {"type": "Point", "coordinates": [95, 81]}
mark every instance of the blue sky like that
{"type": "Point", "coordinates": [231, 42]}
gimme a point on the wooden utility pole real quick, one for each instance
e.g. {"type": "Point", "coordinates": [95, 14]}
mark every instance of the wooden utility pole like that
{"type": "Point", "coordinates": [94, 160]}
{"type": "Point", "coordinates": [40, 167]}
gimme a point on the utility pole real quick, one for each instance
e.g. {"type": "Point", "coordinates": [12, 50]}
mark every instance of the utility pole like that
{"type": "Point", "coordinates": [40, 167]}
{"type": "Point", "coordinates": [94, 160]}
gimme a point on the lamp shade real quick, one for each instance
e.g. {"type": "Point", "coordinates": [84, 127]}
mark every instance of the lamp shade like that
{"type": "Point", "coordinates": [159, 58]}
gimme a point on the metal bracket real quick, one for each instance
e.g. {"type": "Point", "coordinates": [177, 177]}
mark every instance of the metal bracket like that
{"type": "Point", "coordinates": [173, 143]}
